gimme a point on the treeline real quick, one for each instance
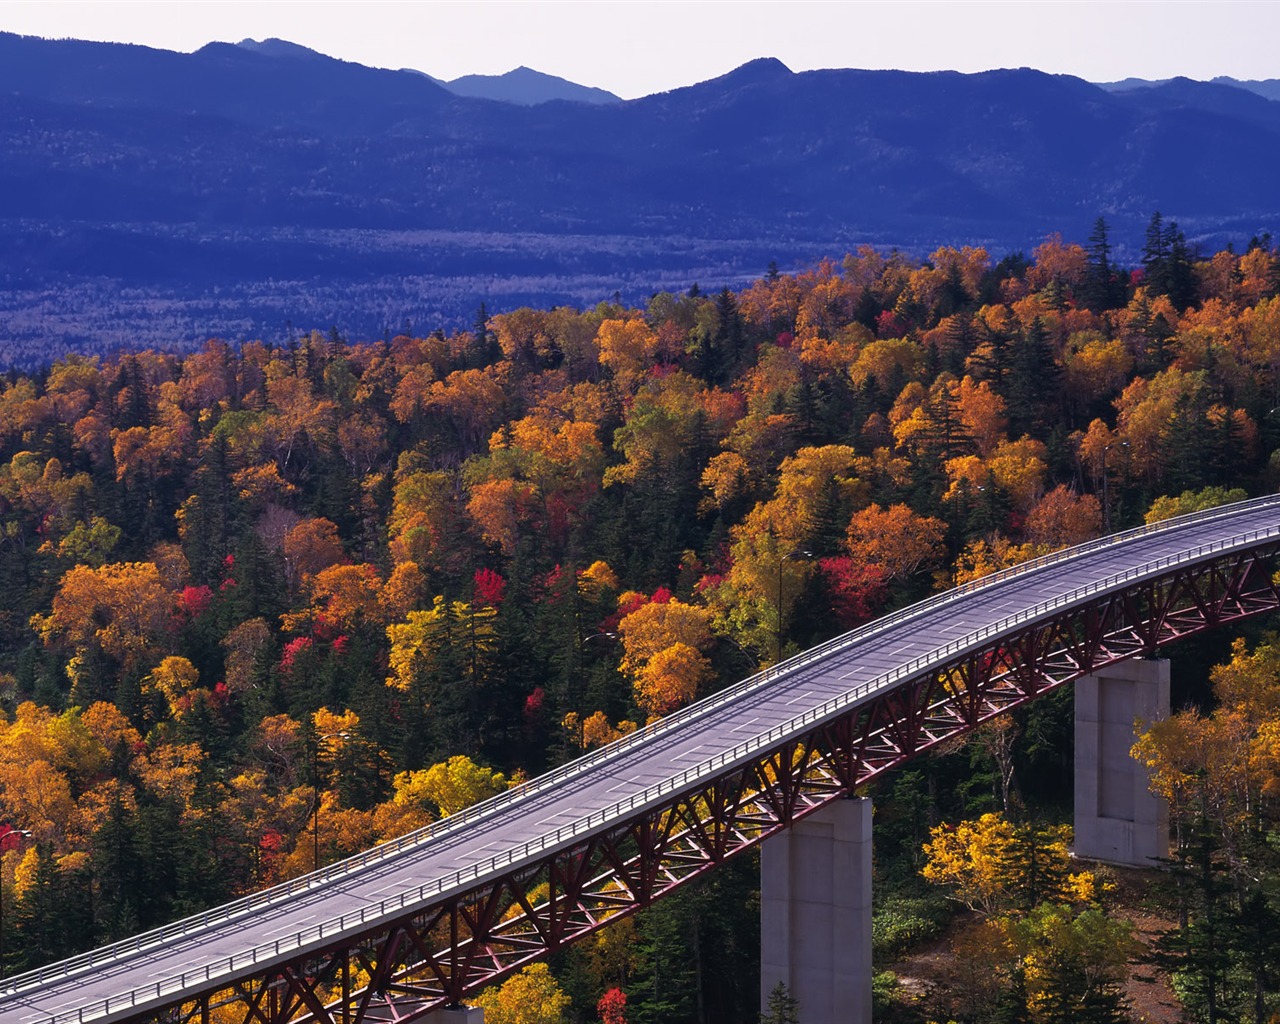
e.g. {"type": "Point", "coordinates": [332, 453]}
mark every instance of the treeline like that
{"type": "Point", "coordinates": [263, 605]}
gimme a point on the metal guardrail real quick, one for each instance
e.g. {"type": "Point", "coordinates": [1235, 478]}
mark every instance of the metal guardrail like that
{"type": "Point", "coordinates": [598, 819]}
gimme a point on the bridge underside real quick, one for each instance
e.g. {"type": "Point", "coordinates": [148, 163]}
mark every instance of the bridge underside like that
{"type": "Point", "coordinates": [408, 967]}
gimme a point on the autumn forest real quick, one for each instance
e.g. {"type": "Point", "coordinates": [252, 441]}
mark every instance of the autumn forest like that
{"type": "Point", "coordinates": [264, 605]}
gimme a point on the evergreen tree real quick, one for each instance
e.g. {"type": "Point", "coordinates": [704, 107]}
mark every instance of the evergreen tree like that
{"type": "Point", "coordinates": [1034, 383]}
{"type": "Point", "coordinates": [1011, 1007]}
{"type": "Point", "coordinates": [944, 431]}
{"type": "Point", "coordinates": [991, 356]}
{"type": "Point", "coordinates": [116, 871]}
{"type": "Point", "coordinates": [1155, 256]}
{"type": "Point", "coordinates": [961, 339]}
{"type": "Point", "coordinates": [1101, 1005]}
{"type": "Point", "coordinates": [1254, 928]}
{"type": "Point", "coordinates": [1037, 870]}
{"type": "Point", "coordinates": [1199, 948]}
{"type": "Point", "coordinates": [451, 695]}
{"type": "Point", "coordinates": [54, 918]}
{"type": "Point", "coordinates": [211, 516]}
{"type": "Point", "coordinates": [484, 348]}
{"type": "Point", "coordinates": [952, 295]}
{"type": "Point", "coordinates": [867, 310]}
{"type": "Point", "coordinates": [130, 398]}
{"type": "Point", "coordinates": [1191, 441]}
{"type": "Point", "coordinates": [1167, 262]}
{"type": "Point", "coordinates": [1181, 278]}
{"type": "Point", "coordinates": [782, 1007]}
{"type": "Point", "coordinates": [1101, 289]}
{"type": "Point", "coordinates": [665, 985]}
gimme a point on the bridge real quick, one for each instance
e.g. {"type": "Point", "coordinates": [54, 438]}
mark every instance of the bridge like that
{"type": "Point", "coordinates": [416, 925]}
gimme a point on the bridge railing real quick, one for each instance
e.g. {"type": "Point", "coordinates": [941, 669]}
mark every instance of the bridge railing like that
{"type": "Point", "coordinates": [287, 890]}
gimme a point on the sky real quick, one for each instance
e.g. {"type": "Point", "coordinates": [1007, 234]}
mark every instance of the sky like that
{"type": "Point", "coordinates": [637, 47]}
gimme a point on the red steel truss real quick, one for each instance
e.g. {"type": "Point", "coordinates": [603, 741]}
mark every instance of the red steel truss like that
{"type": "Point", "coordinates": [405, 968]}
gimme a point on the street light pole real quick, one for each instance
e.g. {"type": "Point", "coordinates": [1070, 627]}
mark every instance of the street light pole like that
{"type": "Point", "coordinates": [9, 840]}
{"type": "Point", "coordinates": [315, 781]}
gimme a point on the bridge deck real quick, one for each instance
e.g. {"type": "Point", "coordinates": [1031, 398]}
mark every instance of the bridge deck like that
{"type": "Point", "coordinates": [589, 794]}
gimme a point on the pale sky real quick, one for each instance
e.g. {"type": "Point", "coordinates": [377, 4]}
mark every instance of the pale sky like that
{"type": "Point", "coordinates": [637, 47]}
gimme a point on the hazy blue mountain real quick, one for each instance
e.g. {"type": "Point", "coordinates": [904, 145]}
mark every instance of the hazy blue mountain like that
{"type": "Point", "coordinates": [280, 48]}
{"type": "Point", "coordinates": [255, 88]}
{"type": "Point", "coordinates": [527, 88]}
{"type": "Point", "coordinates": [164, 196]}
{"type": "Point", "coordinates": [1267, 88]}
{"type": "Point", "coordinates": [523, 86]}
{"type": "Point", "coordinates": [1125, 84]}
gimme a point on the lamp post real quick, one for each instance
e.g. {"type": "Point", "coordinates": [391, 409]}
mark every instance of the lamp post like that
{"type": "Point", "coordinates": [315, 780]}
{"type": "Point", "coordinates": [1106, 501]}
{"type": "Point", "coordinates": [10, 839]}
{"type": "Point", "coordinates": [595, 636]}
{"type": "Point", "coordinates": [793, 556]}
{"type": "Point", "coordinates": [574, 697]}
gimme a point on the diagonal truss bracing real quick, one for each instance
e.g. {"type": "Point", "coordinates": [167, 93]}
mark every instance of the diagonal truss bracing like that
{"type": "Point", "coordinates": [402, 968]}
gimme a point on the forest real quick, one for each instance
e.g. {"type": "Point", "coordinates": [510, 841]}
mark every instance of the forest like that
{"type": "Point", "coordinates": [263, 606]}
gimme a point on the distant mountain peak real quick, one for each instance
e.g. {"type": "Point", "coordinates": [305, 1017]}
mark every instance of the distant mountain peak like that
{"type": "Point", "coordinates": [278, 48]}
{"type": "Point", "coordinates": [762, 69]}
{"type": "Point", "coordinates": [527, 87]}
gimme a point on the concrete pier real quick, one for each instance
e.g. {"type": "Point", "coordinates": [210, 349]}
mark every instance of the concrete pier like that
{"type": "Point", "coordinates": [815, 914]}
{"type": "Point", "coordinates": [1117, 818]}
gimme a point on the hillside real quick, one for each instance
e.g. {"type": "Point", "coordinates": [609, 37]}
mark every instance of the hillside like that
{"type": "Point", "coordinates": [265, 604]}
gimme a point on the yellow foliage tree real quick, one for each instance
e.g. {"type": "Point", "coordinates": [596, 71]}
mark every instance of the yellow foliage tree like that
{"type": "Point", "coordinates": [969, 859]}
{"type": "Point", "coordinates": [344, 595]}
{"type": "Point", "coordinates": [1226, 766]}
{"type": "Point", "coordinates": [627, 348]}
{"type": "Point", "coordinates": [451, 785]}
{"type": "Point", "coordinates": [531, 997]}
{"type": "Point", "coordinates": [992, 865]}
{"type": "Point", "coordinates": [1168, 506]}
{"type": "Point", "coordinates": [896, 539]}
{"type": "Point", "coordinates": [1063, 518]}
{"type": "Point", "coordinates": [425, 513]}
{"type": "Point", "coordinates": [594, 730]}
{"type": "Point", "coordinates": [661, 425]}
{"type": "Point", "coordinates": [417, 642]}
{"type": "Point", "coordinates": [670, 679]}
{"type": "Point", "coordinates": [173, 679]}
{"type": "Point", "coordinates": [244, 645]}
{"type": "Point", "coordinates": [310, 546]}
{"type": "Point", "coordinates": [661, 644]}
{"type": "Point", "coordinates": [1095, 365]}
{"type": "Point", "coordinates": [123, 607]}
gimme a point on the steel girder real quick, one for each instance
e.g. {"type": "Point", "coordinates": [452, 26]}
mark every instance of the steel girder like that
{"type": "Point", "coordinates": [435, 956]}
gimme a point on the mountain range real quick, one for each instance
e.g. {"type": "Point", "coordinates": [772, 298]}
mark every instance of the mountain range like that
{"type": "Point", "coordinates": [246, 190]}
{"type": "Point", "coordinates": [1268, 88]}
{"type": "Point", "coordinates": [522, 85]}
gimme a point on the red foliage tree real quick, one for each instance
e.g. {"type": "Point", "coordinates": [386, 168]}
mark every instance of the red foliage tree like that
{"type": "Point", "coordinates": [612, 1007]}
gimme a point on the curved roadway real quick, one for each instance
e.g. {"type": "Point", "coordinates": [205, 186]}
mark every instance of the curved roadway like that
{"type": "Point", "coordinates": [589, 794]}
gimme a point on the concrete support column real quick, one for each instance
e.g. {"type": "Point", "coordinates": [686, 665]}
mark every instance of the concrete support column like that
{"type": "Point", "coordinates": [456, 1015]}
{"type": "Point", "coordinates": [815, 914]}
{"type": "Point", "coordinates": [1117, 818]}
